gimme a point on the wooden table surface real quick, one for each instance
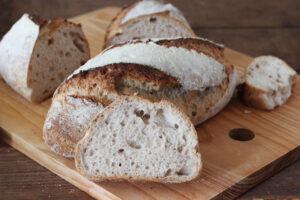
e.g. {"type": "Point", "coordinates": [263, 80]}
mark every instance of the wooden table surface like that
{"type": "Point", "coordinates": [255, 27]}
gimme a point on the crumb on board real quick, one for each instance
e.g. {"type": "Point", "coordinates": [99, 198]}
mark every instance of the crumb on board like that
{"type": "Point", "coordinates": [247, 111]}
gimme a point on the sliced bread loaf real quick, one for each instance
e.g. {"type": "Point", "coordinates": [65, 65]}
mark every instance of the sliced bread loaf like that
{"type": "Point", "coordinates": [147, 19]}
{"type": "Point", "coordinates": [36, 55]}
{"type": "Point", "coordinates": [269, 82]}
{"type": "Point", "coordinates": [192, 73]}
{"type": "Point", "coordinates": [138, 140]}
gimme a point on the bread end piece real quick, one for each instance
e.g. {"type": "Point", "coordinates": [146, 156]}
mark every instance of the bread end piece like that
{"type": "Point", "coordinates": [135, 139]}
{"type": "Point", "coordinates": [149, 19]}
{"type": "Point", "coordinates": [36, 55]}
{"type": "Point", "coordinates": [66, 121]}
{"type": "Point", "coordinates": [269, 83]}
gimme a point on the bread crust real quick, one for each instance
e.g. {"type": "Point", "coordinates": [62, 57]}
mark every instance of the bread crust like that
{"type": "Point", "coordinates": [170, 180]}
{"type": "Point", "coordinates": [106, 83]}
{"type": "Point", "coordinates": [19, 48]}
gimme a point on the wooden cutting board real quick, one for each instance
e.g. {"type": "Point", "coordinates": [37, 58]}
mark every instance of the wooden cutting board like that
{"type": "Point", "coordinates": [230, 166]}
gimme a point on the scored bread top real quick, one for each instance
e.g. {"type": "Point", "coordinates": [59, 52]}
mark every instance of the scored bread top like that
{"type": "Point", "coordinates": [196, 63]}
{"type": "Point", "coordinates": [150, 7]}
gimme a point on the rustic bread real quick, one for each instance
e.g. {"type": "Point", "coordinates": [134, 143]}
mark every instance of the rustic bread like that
{"type": "Point", "coordinates": [120, 71]}
{"type": "Point", "coordinates": [36, 55]}
{"type": "Point", "coordinates": [269, 82]}
{"type": "Point", "coordinates": [147, 19]}
{"type": "Point", "coordinates": [135, 139]}
{"type": "Point", "coordinates": [70, 126]}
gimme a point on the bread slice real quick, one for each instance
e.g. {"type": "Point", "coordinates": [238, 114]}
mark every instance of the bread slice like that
{"type": "Point", "coordinates": [269, 82]}
{"type": "Point", "coordinates": [153, 77]}
{"type": "Point", "coordinates": [147, 19]}
{"type": "Point", "coordinates": [36, 55]}
{"type": "Point", "coordinates": [138, 140]}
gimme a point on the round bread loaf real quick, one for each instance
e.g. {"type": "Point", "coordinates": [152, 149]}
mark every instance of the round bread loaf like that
{"type": "Point", "coordinates": [191, 73]}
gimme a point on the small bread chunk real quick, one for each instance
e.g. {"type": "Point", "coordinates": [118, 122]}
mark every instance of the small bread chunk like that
{"type": "Point", "coordinates": [37, 55]}
{"type": "Point", "coordinates": [138, 140]}
{"type": "Point", "coordinates": [269, 82]}
{"type": "Point", "coordinates": [147, 19]}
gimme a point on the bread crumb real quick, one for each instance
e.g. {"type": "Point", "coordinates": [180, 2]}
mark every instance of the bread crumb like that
{"type": "Point", "coordinates": [247, 111]}
{"type": "Point", "coordinates": [71, 191]}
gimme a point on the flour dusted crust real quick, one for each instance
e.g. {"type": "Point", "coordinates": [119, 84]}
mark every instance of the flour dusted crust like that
{"type": "Point", "coordinates": [106, 83]}
{"type": "Point", "coordinates": [70, 126]}
{"type": "Point", "coordinates": [126, 103]}
{"type": "Point", "coordinates": [22, 61]}
{"type": "Point", "coordinates": [147, 11]}
{"type": "Point", "coordinates": [172, 54]}
{"type": "Point", "coordinates": [14, 62]}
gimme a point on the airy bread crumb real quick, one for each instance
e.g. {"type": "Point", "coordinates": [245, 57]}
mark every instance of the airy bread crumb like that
{"type": "Point", "coordinates": [269, 82]}
{"type": "Point", "coordinates": [139, 140]}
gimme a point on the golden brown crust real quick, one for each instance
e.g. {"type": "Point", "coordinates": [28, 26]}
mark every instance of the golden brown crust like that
{"type": "Point", "coordinates": [59, 142]}
{"type": "Point", "coordinates": [171, 180]}
{"type": "Point", "coordinates": [253, 96]}
{"type": "Point", "coordinates": [113, 73]}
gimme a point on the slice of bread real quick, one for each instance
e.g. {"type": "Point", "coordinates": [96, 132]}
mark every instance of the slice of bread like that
{"type": "Point", "coordinates": [269, 82]}
{"type": "Point", "coordinates": [138, 140]}
{"type": "Point", "coordinates": [36, 55]}
{"type": "Point", "coordinates": [147, 19]}
{"type": "Point", "coordinates": [133, 69]}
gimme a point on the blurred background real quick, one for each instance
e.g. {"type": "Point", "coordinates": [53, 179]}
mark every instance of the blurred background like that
{"type": "Point", "coordinates": [254, 27]}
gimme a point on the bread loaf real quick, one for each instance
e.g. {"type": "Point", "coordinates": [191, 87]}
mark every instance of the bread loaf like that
{"type": "Point", "coordinates": [191, 73]}
{"type": "Point", "coordinates": [36, 55]}
{"type": "Point", "coordinates": [138, 140]}
{"type": "Point", "coordinates": [147, 19]}
{"type": "Point", "coordinates": [269, 82]}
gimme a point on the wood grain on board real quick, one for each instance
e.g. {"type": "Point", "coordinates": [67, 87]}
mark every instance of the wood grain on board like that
{"type": "Point", "coordinates": [230, 167]}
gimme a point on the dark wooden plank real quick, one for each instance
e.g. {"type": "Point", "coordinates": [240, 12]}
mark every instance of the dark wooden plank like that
{"type": "Point", "coordinates": [22, 178]}
{"type": "Point", "coordinates": [204, 13]}
{"type": "Point", "coordinates": [256, 28]}
{"type": "Point", "coordinates": [241, 14]}
{"type": "Point", "coordinates": [281, 42]}
{"type": "Point", "coordinates": [285, 184]}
